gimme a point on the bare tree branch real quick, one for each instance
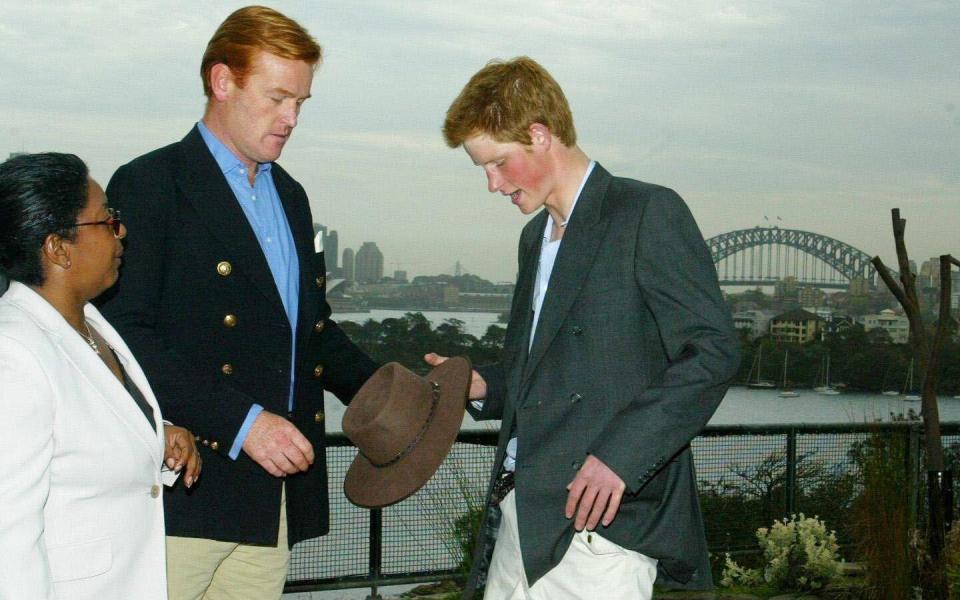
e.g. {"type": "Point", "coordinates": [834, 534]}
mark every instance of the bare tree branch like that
{"type": "Point", "coordinates": [888, 279]}
{"type": "Point", "coordinates": [928, 355]}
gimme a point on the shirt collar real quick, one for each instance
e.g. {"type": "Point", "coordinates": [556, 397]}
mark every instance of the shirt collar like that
{"type": "Point", "coordinates": [583, 182]}
{"type": "Point", "coordinates": [226, 160]}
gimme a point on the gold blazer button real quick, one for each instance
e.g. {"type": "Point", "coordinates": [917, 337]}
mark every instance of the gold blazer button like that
{"type": "Point", "coordinates": [318, 417]}
{"type": "Point", "coordinates": [214, 445]}
{"type": "Point", "coordinates": [230, 320]}
{"type": "Point", "coordinates": [227, 369]}
{"type": "Point", "coordinates": [320, 281]}
{"type": "Point", "coordinates": [318, 371]}
{"type": "Point", "coordinates": [224, 268]}
{"type": "Point", "coordinates": [318, 327]}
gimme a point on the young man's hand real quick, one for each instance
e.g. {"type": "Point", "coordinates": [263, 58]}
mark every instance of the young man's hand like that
{"type": "Point", "coordinates": [478, 387]}
{"type": "Point", "coordinates": [595, 492]}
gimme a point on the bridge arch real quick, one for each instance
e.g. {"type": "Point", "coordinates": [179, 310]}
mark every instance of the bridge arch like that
{"type": "Point", "coordinates": [764, 255]}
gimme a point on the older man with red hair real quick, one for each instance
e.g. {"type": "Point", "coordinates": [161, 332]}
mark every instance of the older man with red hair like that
{"type": "Point", "coordinates": [223, 299]}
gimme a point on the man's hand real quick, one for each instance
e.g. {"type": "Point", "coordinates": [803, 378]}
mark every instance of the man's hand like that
{"type": "Point", "coordinates": [180, 451]}
{"type": "Point", "coordinates": [278, 446]}
{"type": "Point", "coordinates": [478, 387]}
{"type": "Point", "coordinates": [598, 491]}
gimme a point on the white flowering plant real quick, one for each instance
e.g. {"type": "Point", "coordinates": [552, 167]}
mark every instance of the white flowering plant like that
{"type": "Point", "coordinates": [735, 574]}
{"type": "Point", "coordinates": [800, 554]}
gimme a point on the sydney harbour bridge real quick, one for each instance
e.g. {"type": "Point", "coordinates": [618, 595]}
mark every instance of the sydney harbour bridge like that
{"type": "Point", "coordinates": [763, 255]}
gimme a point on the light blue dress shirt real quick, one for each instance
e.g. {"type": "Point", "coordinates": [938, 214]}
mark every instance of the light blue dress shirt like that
{"type": "Point", "coordinates": [261, 205]}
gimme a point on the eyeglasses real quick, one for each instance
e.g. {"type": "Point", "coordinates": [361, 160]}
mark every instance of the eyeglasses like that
{"type": "Point", "coordinates": [113, 221]}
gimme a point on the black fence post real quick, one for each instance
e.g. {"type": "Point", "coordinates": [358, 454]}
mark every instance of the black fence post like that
{"type": "Point", "coordinates": [376, 552]}
{"type": "Point", "coordinates": [791, 485]}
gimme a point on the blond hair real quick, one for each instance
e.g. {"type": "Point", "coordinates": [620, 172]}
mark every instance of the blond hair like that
{"type": "Point", "coordinates": [503, 99]}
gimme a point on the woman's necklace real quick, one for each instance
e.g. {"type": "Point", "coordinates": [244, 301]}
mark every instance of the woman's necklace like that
{"type": "Point", "coordinates": [89, 338]}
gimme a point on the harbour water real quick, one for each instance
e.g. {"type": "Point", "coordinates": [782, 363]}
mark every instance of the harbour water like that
{"type": "Point", "coordinates": [741, 406]}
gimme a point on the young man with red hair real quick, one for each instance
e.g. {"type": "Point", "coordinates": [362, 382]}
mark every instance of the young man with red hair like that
{"type": "Point", "coordinates": [618, 350]}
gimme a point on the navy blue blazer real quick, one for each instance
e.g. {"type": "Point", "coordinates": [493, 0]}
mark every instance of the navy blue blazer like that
{"type": "Point", "coordinates": [198, 306]}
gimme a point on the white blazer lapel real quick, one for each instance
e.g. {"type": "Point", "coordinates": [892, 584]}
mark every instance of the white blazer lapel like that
{"type": "Point", "coordinates": [77, 352]}
{"type": "Point", "coordinates": [118, 395]}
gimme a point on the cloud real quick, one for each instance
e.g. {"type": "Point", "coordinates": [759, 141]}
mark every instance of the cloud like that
{"type": "Point", "coordinates": [827, 113]}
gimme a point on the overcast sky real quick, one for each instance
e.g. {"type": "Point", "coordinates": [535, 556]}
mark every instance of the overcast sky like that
{"type": "Point", "coordinates": [823, 113]}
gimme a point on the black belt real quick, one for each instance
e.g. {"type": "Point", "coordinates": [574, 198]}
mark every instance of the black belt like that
{"type": "Point", "coordinates": [502, 486]}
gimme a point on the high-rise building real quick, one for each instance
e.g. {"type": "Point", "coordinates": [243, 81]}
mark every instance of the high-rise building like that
{"type": "Point", "coordinates": [811, 296]}
{"type": "Point", "coordinates": [929, 275]}
{"type": "Point", "coordinates": [786, 289]}
{"type": "Point", "coordinates": [859, 286]}
{"type": "Point", "coordinates": [348, 273]}
{"type": "Point", "coordinates": [329, 242]}
{"type": "Point", "coordinates": [331, 251]}
{"type": "Point", "coordinates": [369, 263]}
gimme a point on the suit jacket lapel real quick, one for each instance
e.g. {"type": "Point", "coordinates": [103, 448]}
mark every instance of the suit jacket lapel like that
{"type": "Point", "coordinates": [152, 437]}
{"type": "Point", "coordinates": [524, 299]}
{"type": "Point", "coordinates": [297, 209]}
{"type": "Point", "coordinates": [582, 238]}
{"type": "Point", "coordinates": [90, 366]}
{"type": "Point", "coordinates": [207, 190]}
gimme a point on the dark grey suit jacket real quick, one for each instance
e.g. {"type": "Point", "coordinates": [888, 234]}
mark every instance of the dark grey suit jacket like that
{"type": "Point", "coordinates": [633, 352]}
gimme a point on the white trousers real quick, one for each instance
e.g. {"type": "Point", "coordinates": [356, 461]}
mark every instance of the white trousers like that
{"type": "Point", "coordinates": [592, 568]}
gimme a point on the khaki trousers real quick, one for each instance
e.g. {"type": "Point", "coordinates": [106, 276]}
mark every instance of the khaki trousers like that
{"type": "Point", "coordinates": [592, 568]}
{"type": "Point", "coordinates": [202, 569]}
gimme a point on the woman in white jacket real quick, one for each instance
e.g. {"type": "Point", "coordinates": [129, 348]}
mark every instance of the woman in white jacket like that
{"type": "Point", "coordinates": [82, 441]}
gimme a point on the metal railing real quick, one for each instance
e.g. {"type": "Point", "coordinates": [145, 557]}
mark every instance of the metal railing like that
{"type": "Point", "coordinates": [748, 476]}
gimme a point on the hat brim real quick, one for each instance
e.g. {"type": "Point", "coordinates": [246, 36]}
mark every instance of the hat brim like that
{"type": "Point", "coordinates": [376, 487]}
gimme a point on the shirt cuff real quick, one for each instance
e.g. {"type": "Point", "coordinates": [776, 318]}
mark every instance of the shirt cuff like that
{"type": "Point", "coordinates": [255, 410]}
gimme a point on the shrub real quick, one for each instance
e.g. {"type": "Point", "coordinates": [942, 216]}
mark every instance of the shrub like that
{"type": "Point", "coordinates": [800, 554]}
{"type": "Point", "coordinates": [882, 524]}
{"type": "Point", "coordinates": [953, 561]}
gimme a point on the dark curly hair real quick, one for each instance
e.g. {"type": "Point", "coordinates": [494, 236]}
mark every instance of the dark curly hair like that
{"type": "Point", "coordinates": [40, 194]}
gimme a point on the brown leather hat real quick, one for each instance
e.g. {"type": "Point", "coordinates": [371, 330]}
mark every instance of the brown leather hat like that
{"type": "Point", "coordinates": [403, 426]}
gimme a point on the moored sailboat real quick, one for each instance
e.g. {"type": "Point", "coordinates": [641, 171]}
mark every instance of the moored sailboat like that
{"type": "Point", "coordinates": [826, 389]}
{"type": "Point", "coordinates": [883, 385]}
{"type": "Point", "coordinates": [758, 383]}
{"type": "Point", "coordinates": [909, 393]}
{"type": "Point", "coordinates": [785, 390]}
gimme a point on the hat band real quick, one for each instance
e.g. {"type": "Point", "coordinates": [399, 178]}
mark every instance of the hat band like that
{"type": "Point", "coordinates": [419, 436]}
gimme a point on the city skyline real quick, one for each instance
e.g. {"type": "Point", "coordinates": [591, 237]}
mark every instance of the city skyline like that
{"type": "Point", "coordinates": [824, 115]}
